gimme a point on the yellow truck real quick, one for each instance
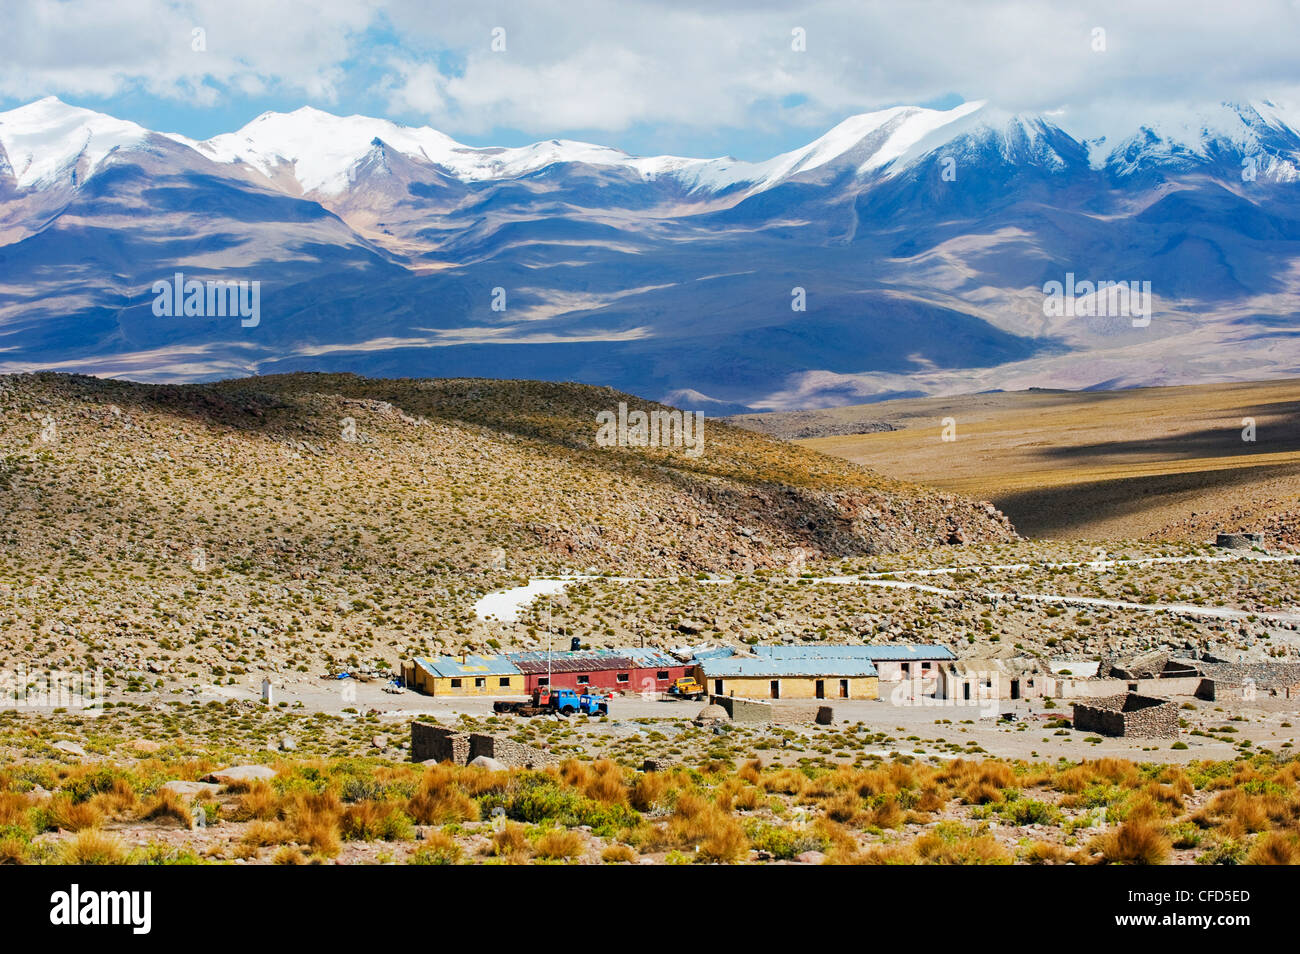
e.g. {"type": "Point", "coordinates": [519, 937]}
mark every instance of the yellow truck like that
{"type": "Point", "coordinates": [686, 688]}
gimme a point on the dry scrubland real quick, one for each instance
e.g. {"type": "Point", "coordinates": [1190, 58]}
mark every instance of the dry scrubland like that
{"type": "Point", "coordinates": [1156, 463]}
{"type": "Point", "coordinates": [188, 540]}
{"type": "Point", "coordinates": [717, 809]}
{"type": "Point", "coordinates": [977, 612]}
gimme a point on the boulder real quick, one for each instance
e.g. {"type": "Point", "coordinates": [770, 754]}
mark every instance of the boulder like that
{"type": "Point", "coordinates": [72, 748]}
{"type": "Point", "coordinates": [380, 741]}
{"type": "Point", "coordinates": [489, 763]}
{"type": "Point", "coordinates": [187, 789]}
{"type": "Point", "coordinates": [240, 773]}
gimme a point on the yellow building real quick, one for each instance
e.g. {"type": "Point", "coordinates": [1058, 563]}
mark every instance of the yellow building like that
{"type": "Point", "coordinates": [464, 676]}
{"type": "Point", "coordinates": [748, 677]}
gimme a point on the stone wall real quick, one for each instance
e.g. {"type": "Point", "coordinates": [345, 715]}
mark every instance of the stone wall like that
{"type": "Point", "coordinates": [1128, 715]}
{"type": "Point", "coordinates": [743, 710]}
{"type": "Point", "coordinates": [779, 712]}
{"type": "Point", "coordinates": [443, 744]}
{"type": "Point", "coordinates": [439, 743]}
{"type": "Point", "coordinates": [509, 752]}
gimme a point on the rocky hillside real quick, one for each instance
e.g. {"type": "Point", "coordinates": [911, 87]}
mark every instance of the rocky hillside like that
{"type": "Point", "coordinates": [199, 532]}
{"type": "Point", "coordinates": [304, 472]}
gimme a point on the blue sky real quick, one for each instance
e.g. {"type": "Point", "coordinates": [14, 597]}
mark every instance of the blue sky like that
{"type": "Point", "coordinates": [649, 76]}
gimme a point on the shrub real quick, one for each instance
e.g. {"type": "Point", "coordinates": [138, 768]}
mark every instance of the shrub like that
{"type": "Point", "coordinates": [62, 812]}
{"type": "Point", "coordinates": [511, 842]}
{"type": "Point", "coordinates": [260, 834]}
{"type": "Point", "coordinates": [375, 821]}
{"type": "Point", "coordinates": [440, 799]}
{"type": "Point", "coordinates": [648, 791]}
{"type": "Point", "coordinates": [618, 854]}
{"type": "Point", "coordinates": [1274, 848]}
{"type": "Point", "coordinates": [1029, 811]}
{"type": "Point", "coordinates": [1136, 842]}
{"type": "Point", "coordinates": [439, 849]}
{"type": "Point", "coordinates": [560, 844]}
{"type": "Point", "coordinates": [167, 805]}
{"type": "Point", "coordinates": [90, 847]}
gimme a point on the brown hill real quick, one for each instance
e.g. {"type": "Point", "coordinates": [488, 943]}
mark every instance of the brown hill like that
{"type": "Point", "coordinates": [1148, 463]}
{"type": "Point", "coordinates": [439, 472]}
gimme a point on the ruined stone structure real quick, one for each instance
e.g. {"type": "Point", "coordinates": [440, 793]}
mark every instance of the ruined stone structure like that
{"type": "Point", "coordinates": [1128, 715]}
{"type": "Point", "coordinates": [1250, 681]}
{"type": "Point", "coordinates": [443, 744]}
{"type": "Point", "coordinates": [1238, 541]}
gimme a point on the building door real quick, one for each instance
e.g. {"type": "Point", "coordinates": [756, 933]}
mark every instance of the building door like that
{"type": "Point", "coordinates": [844, 688]}
{"type": "Point", "coordinates": [776, 689]}
{"type": "Point", "coordinates": [1015, 688]}
{"type": "Point", "coordinates": [821, 689]}
{"type": "Point", "coordinates": [717, 687]}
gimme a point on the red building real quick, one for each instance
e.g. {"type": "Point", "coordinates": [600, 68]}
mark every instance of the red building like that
{"type": "Point", "coordinates": [609, 670]}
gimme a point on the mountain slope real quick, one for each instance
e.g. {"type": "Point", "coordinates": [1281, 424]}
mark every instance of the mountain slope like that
{"type": "Point", "coordinates": [904, 252]}
{"type": "Point", "coordinates": [426, 469]}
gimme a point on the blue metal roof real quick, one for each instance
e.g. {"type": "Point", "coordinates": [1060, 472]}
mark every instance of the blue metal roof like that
{"type": "Point", "coordinates": [776, 667]}
{"type": "Point", "coordinates": [893, 652]}
{"type": "Point", "coordinates": [451, 666]}
{"type": "Point", "coordinates": [711, 652]}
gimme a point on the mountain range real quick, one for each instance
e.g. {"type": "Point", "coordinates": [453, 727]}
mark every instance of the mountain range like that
{"type": "Point", "coordinates": [905, 252]}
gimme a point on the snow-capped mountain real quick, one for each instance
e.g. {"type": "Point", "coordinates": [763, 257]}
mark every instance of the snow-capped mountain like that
{"type": "Point", "coordinates": [904, 251]}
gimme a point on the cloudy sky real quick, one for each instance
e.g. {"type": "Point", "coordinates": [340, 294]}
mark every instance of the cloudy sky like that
{"type": "Point", "coordinates": [648, 76]}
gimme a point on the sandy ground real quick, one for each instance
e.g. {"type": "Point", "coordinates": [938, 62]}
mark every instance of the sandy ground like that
{"type": "Point", "coordinates": [924, 728]}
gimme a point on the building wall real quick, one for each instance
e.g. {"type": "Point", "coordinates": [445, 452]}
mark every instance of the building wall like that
{"type": "Point", "coordinates": [420, 679]}
{"type": "Point", "coordinates": [1032, 685]}
{"type": "Point", "coordinates": [890, 670]}
{"type": "Point", "coordinates": [792, 687]}
{"type": "Point", "coordinates": [606, 680]}
{"type": "Point", "coordinates": [494, 684]}
{"type": "Point", "coordinates": [1068, 688]}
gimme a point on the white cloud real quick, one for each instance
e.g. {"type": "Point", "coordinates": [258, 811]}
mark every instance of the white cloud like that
{"type": "Point", "coordinates": [613, 64]}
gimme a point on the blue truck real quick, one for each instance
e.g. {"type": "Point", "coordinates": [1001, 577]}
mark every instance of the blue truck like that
{"type": "Point", "coordinates": [563, 701]}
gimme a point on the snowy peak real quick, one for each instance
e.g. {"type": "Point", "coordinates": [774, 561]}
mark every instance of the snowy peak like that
{"type": "Point", "coordinates": [313, 152]}
{"type": "Point", "coordinates": [1184, 138]}
{"type": "Point", "coordinates": [321, 151]}
{"type": "Point", "coordinates": [49, 140]}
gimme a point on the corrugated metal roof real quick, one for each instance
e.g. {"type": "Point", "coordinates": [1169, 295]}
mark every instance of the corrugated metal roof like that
{"type": "Point", "coordinates": [650, 658]}
{"type": "Point", "coordinates": [451, 666]}
{"type": "Point", "coordinates": [592, 660]}
{"type": "Point", "coordinates": [775, 668]}
{"type": "Point", "coordinates": [891, 652]}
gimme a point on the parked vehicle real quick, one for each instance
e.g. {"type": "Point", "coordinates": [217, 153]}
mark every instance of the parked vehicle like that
{"type": "Point", "coordinates": [561, 701]}
{"type": "Point", "coordinates": [686, 688]}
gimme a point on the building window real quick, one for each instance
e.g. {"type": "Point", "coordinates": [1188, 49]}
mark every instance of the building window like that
{"type": "Point", "coordinates": [583, 680]}
{"type": "Point", "coordinates": [480, 682]}
{"type": "Point", "coordinates": [504, 681]}
{"type": "Point", "coordinates": [544, 681]}
{"type": "Point", "coordinates": [662, 674]}
{"type": "Point", "coordinates": [622, 677]}
{"type": "Point", "coordinates": [455, 683]}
